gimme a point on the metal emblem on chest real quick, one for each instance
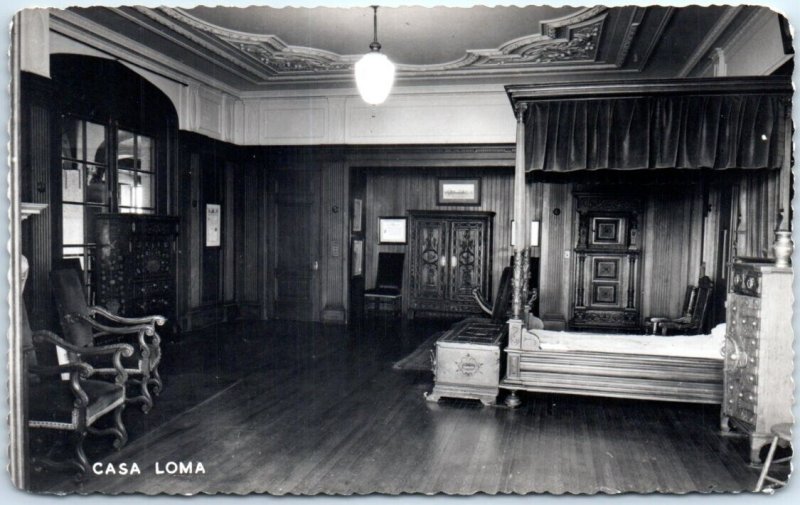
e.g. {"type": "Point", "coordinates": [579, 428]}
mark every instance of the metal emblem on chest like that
{"type": "Point", "coordinates": [468, 365]}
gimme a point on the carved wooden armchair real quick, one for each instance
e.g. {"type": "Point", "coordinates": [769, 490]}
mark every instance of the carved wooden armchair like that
{"type": "Point", "coordinates": [82, 328]}
{"type": "Point", "coordinates": [76, 403]}
{"type": "Point", "coordinates": [697, 303]}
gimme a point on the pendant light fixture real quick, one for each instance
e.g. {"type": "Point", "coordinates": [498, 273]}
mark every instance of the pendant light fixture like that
{"type": "Point", "coordinates": [374, 71]}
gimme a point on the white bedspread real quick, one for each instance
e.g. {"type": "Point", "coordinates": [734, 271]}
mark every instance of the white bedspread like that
{"type": "Point", "coordinates": [688, 346]}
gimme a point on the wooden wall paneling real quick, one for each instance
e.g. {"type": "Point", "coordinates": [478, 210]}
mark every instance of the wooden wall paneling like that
{"type": "Point", "coordinates": [248, 264]}
{"type": "Point", "coordinates": [712, 226]}
{"type": "Point", "coordinates": [697, 213]}
{"type": "Point", "coordinates": [231, 240]}
{"type": "Point", "coordinates": [212, 191]}
{"type": "Point", "coordinates": [266, 227]}
{"type": "Point", "coordinates": [759, 204]}
{"type": "Point", "coordinates": [534, 194]}
{"type": "Point", "coordinates": [196, 218]}
{"type": "Point", "coordinates": [395, 191]}
{"type": "Point", "coordinates": [555, 288]}
{"type": "Point", "coordinates": [37, 146]}
{"type": "Point", "coordinates": [668, 252]}
{"type": "Point", "coordinates": [335, 247]}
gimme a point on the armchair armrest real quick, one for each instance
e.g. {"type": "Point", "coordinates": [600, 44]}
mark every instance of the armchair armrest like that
{"type": "Point", "coordinates": [116, 351]}
{"type": "Point", "coordinates": [51, 338]}
{"type": "Point", "coordinates": [484, 305]}
{"type": "Point", "coordinates": [84, 370]}
{"type": "Point", "coordinates": [140, 330]}
{"type": "Point", "coordinates": [154, 319]}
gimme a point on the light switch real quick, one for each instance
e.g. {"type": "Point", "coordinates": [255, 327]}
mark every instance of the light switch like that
{"type": "Point", "coordinates": [566, 255]}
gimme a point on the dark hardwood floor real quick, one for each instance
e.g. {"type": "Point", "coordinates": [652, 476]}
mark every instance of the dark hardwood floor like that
{"type": "Point", "coordinates": [289, 408]}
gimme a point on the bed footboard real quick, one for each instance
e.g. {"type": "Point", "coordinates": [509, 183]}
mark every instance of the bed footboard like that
{"type": "Point", "coordinates": [644, 377]}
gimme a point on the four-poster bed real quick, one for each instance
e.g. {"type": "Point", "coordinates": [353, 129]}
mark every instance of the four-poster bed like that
{"type": "Point", "coordinates": [735, 125]}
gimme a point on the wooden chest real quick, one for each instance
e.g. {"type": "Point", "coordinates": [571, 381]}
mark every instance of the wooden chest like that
{"type": "Point", "coordinates": [467, 361]}
{"type": "Point", "coordinates": [758, 389]}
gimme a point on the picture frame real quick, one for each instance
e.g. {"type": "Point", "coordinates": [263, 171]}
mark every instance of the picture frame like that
{"type": "Point", "coordinates": [458, 191]}
{"type": "Point", "coordinates": [213, 222]}
{"type": "Point", "coordinates": [358, 258]}
{"type": "Point", "coordinates": [392, 230]}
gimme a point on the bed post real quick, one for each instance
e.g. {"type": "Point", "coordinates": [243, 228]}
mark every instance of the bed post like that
{"type": "Point", "coordinates": [515, 324]}
{"type": "Point", "coordinates": [521, 231]}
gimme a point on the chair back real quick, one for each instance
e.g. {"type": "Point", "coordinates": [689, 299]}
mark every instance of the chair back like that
{"type": "Point", "coordinates": [503, 298]}
{"type": "Point", "coordinates": [702, 303]}
{"type": "Point", "coordinates": [70, 300]}
{"type": "Point", "coordinates": [390, 270]}
{"type": "Point", "coordinates": [28, 349]}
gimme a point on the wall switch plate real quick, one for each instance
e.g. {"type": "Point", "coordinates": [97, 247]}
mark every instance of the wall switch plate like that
{"type": "Point", "coordinates": [567, 254]}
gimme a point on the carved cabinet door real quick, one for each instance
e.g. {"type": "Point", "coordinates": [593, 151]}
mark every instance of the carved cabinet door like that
{"type": "Point", "coordinates": [467, 259]}
{"type": "Point", "coordinates": [429, 260]}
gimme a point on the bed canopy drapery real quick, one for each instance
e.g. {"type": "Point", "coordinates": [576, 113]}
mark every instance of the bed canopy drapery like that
{"type": "Point", "coordinates": [634, 125]}
{"type": "Point", "coordinates": [643, 124]}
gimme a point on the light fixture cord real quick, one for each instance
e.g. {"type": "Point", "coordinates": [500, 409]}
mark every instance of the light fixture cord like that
{"type": "Point", "coordinates": [375, 46]}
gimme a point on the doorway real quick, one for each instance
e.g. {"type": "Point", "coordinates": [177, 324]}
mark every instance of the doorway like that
{"type": "Point", "coordinates": [296, 244]}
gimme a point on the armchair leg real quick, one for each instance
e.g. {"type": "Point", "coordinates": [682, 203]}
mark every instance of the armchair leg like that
{"type": "Point", "coordinates": [80, 454]}
{"type": "Point", "coordinates": [158, 384]}
{"type": "Point", "coordinates": [118, 429]}
{"type": "Point", "coordinates": [145, 398]}
{"type": "Point", "coordinates": [122, 439]}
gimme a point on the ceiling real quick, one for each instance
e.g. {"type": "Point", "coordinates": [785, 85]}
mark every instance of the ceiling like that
{"type": "Point", "coordinates": [260, 47]}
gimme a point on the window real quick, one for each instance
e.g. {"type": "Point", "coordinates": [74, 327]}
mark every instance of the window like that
{"type": "Point", "coordinates": [135, 173]}
{"type": "Point", "coordinates": [90, 184]}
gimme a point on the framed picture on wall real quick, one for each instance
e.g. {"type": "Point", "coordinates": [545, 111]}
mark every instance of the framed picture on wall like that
{"type": "Point", "coordinates": [392, 230]}
{"type": "Point", "coordinates": [452, 191]}
{"type": "Point", "coordinates": [358, 257]}
{"type": "Point", "coordinates": [213, 221]}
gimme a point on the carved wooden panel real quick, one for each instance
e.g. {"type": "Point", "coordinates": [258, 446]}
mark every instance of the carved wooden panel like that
{"type": "Point", "coordinates": [429, 259]}
{"type": "Point", "coordinates": [607, 262]}
{"type": "Point", "coordinates": [450, 255]}
{"type": "Point", "coordinates": [469, 250]}
{"type": "Point", "coordinates": [135, 264]}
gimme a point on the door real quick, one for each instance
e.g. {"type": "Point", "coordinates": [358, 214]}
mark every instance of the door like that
{"type": "Point", "coordinates": [467, 271]}
{"type": "Point", "coordinates": [296, 244]}
{"type": "Point", "coordinates": [430, 260]}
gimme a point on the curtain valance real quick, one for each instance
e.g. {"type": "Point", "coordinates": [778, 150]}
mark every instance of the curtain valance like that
{"type": "Point", "coordinates": [706, 131]}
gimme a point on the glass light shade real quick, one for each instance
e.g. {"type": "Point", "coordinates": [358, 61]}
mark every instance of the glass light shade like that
{"type": "Point", "coordinates": [374, 77]}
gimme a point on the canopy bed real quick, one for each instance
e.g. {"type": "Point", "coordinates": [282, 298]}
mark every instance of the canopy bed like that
{"type": "Point", "coordinates": [720, 125]}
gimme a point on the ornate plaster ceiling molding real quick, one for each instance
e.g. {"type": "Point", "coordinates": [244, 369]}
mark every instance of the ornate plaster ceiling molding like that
{"type": "Point", "coordinates": [568, 40]}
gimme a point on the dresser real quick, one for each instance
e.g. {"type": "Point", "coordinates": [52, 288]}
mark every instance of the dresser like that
{"type": "Point", "coordinates": [449, 256]}
{"type": "Point", "coordinates": [758, 352]}
{"type": "Point", "coordinates": [135, 265]}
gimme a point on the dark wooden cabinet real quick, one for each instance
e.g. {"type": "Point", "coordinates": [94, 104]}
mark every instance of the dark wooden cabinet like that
{"type": "Point", "coordinates": [607, 262]}
{"type": "Point", "coordinates": [134, 270]}
{"type": "Point", "coordinates": [449, 256]}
